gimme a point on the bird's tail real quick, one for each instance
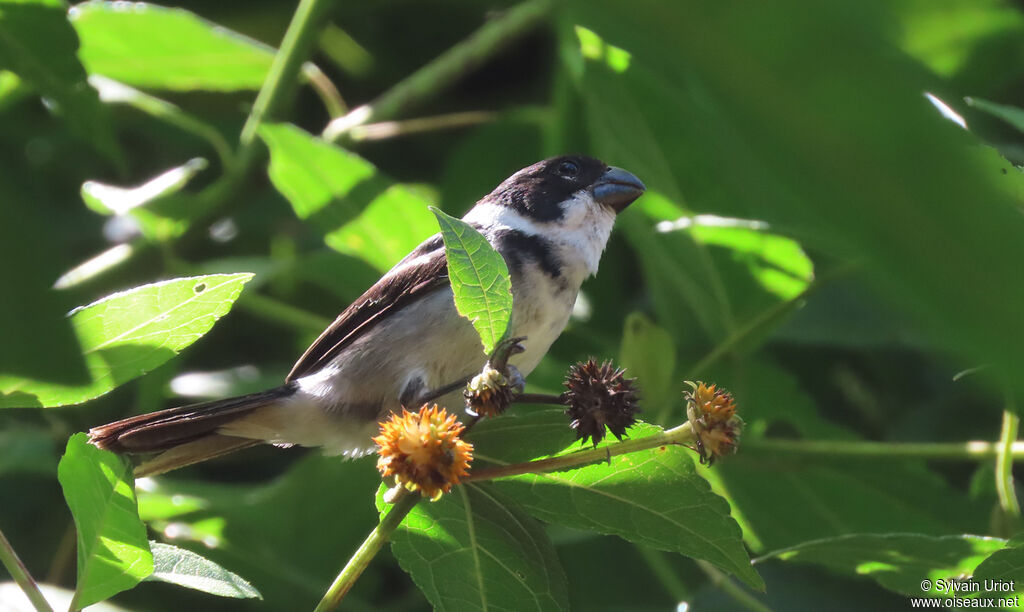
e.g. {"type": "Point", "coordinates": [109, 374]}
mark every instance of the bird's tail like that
{"type": "Point", "coordinates": [184, 435]}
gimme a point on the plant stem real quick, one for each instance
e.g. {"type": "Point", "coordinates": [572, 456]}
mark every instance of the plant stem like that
{"type": "Point", "coordinates": [731, 589]}
{"type": "Point", "coordinates": [369, 548]}
{"type": "Point", "coordinates": [283, 75]}
{"type": "Point", "coordinates": [661, 569]}
{"type": "Point", "coordinates": [1004, 461]}
{"type": "Point", "coordinates": [761, 322]}
{"type": "Point", "coordinates": [975, 450]}
{"type": "Point", "coordinates": [19, 572]}
{"type": "Point", "coordinates": [114, 92]}
{"type": "Point", "coordinates": [537, 398]}
{"type": "Point", "coordinates": [275, 310]}
{"type": "Point", "coordinates": [325, 88]}
{"type": "Point", "coordinates": [445, 68]}
{"type": "Point", "coordinates": [683, 434]}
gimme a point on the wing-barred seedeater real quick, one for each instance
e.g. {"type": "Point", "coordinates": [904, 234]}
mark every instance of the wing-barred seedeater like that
{"type": "Point", "coordinates": [403, 337]}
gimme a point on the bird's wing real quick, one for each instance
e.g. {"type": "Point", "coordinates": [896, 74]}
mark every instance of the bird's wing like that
{"type": "Point", "coordinates": [421, 271]}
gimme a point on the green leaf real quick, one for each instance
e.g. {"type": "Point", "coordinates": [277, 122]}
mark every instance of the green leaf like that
{"type": "Point", "coordinates": [899, 562]}
{"type": "Point", "coordinates": [27, 450]}
{"type": "Point", "coordinates": [654, 498]}
{"type": "Point", "coordinates": [154, 505]}
{"type": "Point", "coordinates": [479, 278]}
{"type": "Point", "coordinates": [523, 432]}
{"type": "Point", "coordinates": [955, 39]}
{"type": "Point", "coordinates": [38, 44]}
{"type": "Point", "coordinates": [157, 205]}
{"type": "Point", "coordinates": [345, 197]}
{"type": "Point", "coordinates": [1012, 115]}
{"type": "Point", "coordinates": [275, 533]}
{"type": "Point", "coordinates": [113, 552]}
{"type": "Point", "coordinates": [472, 550]}
{"type": "Point", "coordinates": [777, 262]}
{"type": "Point", "coordinates": [112, 200]}
{"type": "Point", "coordinates": [1004, 564]}
{"type": "Point", "coordinates": [185, 568]}
{"type": "Point", "coordinates": [648, 354]}
{"type": "Point", "coordinates": [146, 45]}
{"type": "Point", "coordinates": [127, 334]}
{"type": "Point", "coordinates": [690, 79]}
{"type": "Point", "coordinates": [783, 500]}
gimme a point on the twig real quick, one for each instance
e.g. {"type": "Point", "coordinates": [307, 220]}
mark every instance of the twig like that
{"type": "Point", "coordinates": [761, 322]}
{"type": "Point", "coordinates": [730, 588]}
{"type": "Point", "coordinates": [276, 310]}
{"type": "Point", "coordinates": [19, 572]}
{"type": "Point", "coordinates": [443, 390]}
{"type": "Point", "coordinates": [325, 88]}
{"type": "Point", "coordinates": [682, 435]}
{"type": "Point", "coordinates": [445, 68]}
{"type": "Point", "coordinates": [369, 548]}
{"type": "Point", "coordinates": [537, 398]}
{"type": "Point", "coordinates": [1004, 460]}
{"type": "Point", "coordinates": [115, 92]}
{"type": "Point", "coordinates": [391, 129]}
{"type": "Point", "coordinates": [663, 571]}
{"type": "Point", "coordinates": [976, 450]}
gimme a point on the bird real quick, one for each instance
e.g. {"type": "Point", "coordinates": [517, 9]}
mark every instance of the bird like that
{"type": "Point", "coordinates": [404, 338]}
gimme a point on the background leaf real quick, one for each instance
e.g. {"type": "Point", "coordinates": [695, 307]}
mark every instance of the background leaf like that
{"type": "Point", "coordinates": [127, 334]}
{"type": "Point", "coordinates": [1002, 566]}
{"type": "Point", "coordinates": [147, 45]}
{"type": "Point", "coordinates": [471, 550]}
{"type": "Point", "coordinates": [896, 561]}
{"type": "Point", "coordinates": [38, 44]}
{"type": "Point", "coordinates": [113, 552]}
{"type": "Point", "coordinates": [649, 355]}
{"type": "Point", "coordinates": [185, 568]}
{"type": "Point", "coordinates": [345, 197]}
{"type": "Point", "coordinates": [479, 279]}
{"type": "Point", "coordinates": [675, 65]}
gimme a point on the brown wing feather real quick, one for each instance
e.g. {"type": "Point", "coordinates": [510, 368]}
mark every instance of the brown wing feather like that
{"type": "Point", "coordinates": [391, 293]}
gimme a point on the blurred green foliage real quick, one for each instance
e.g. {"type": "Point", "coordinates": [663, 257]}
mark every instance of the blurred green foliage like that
{"type": "Point", "coordinates": [816, 237]}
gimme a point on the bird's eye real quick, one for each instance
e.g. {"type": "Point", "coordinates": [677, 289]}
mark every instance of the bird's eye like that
{"type": "Point", "coordinates": [568, 169]}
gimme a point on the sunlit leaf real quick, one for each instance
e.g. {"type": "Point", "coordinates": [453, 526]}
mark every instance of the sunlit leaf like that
{"type": "Point", "coordinates": [113, 552]}
{"type": "Point", "coordinates": [127, 334]}
{"type": "Point", "coordinates": [479, 279]}
{"type": "Point", "coordinates": [472, 550]}
{"type": "Point", "coordinates": [899, 562]}
{"type": "Point", "coordinates": [345, 197]}
{"type": "Point", "coordinates": [154, 505]}
{"type": "Point", "coordinates": [185, 568]}
{"type": "Point", "coordinates": [654, 498]}
{"type": "Point", "coordinates": [166, 48]}
{"type": "Point", "coordinates": [949, 38]}
{"type": "Point", "coordinates": [777, 262]}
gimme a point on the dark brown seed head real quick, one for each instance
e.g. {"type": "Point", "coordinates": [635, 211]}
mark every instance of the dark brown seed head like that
{"type": "Point", "coordinates": [599, 396]}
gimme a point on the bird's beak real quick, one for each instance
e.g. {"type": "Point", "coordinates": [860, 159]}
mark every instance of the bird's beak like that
{"type": "Point", "coordinates": [617, 189]}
